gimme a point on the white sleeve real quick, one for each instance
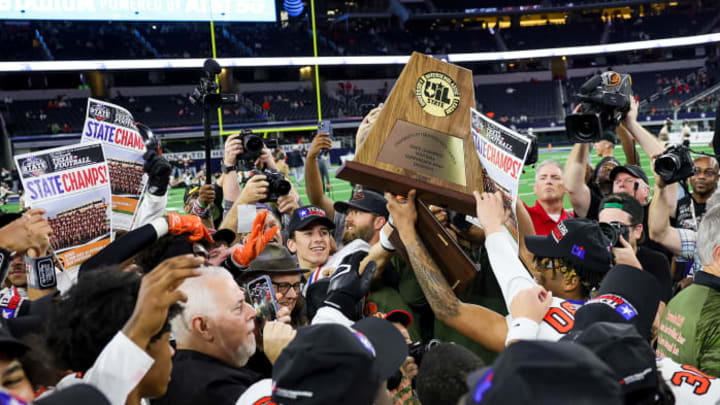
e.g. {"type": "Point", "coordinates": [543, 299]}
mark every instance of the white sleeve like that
{"type": "Point", "coordinates": [522, 329]}
{"type": "Point", "coordinates": [507, 267]}
{"type": "Point", "coordinates": [331, 315]}
{"type": "Point", "coordinates": [151, 207]}
{"type": "Point", "coordinates": [117, 370]}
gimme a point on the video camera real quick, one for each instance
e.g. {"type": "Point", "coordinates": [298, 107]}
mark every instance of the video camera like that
{"type": "Point", "coordinates": [278, 186]}
{"type": "Point", "coordinates": [206, 94]}
{"type": "Point", "coordinates": [605, 100]}
{"type": "Point", "coordinates": [675, 163]}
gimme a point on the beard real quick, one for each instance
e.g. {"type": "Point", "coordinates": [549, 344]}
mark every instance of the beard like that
{"type": "Point", "coordinates": [364, 233]}
{"type": "Point", "coordinates": [240, 355]}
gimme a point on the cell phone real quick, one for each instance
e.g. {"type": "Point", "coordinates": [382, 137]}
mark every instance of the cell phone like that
{"type": "Point", "coordinates": [262, 298]}
{"type": "Point", "coordinates": [325, 127]}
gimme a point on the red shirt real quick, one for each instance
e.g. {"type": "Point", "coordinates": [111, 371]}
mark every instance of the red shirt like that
{"type": "Point", "coordinates": [542, 221]}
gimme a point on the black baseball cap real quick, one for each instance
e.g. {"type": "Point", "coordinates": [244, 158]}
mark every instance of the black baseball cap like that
{"type": "Point", "coordinates": [626, 295]}
{"type": "Point", "coordinates": [304, 216]}
{"type": "Point", "coordinates": [365, 200]}
{"type": "Point", "coordinates": [624, 350]}
{"type": "Point", "coordinates": [579, 241]}
{"type": "Point", "coordinates": [226, 236]}
{"type": "Point", "coordinates": [633, 170]}
{"type": "Point", "coordinates": [8, 343]}
{"type": "Point", "coordinates": [331, 363]}
{"type": "Point", "coordinates": [542, 372]}
{"type": "Point", "coordinates": [74, 394]}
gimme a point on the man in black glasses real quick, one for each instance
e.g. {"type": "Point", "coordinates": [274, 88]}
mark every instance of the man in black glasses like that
{"type": "Point", "coordinates": [276, 262]}
{"type": "Point", "coordinates": [284, 272]}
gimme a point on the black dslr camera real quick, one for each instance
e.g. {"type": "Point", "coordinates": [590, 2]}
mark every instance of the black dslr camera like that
{"type": "Point", "coordinates": [605, 100]}
{"type": "Point", "coordinates": [613, 231]}
{"type": "Point", "coordinates": [252, 149]}
{"type": "Point", "coordinates": [675, 163]}
{"type": "Point", "coordinates": [278, 186]}
{"type": "Point", "coordinates": [418, 350]}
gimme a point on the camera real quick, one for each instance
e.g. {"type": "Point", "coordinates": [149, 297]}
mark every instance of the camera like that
{"type": "Point", "coordinates": [675, 163]}
{"type": "Point", "coordinates": [613, 230]}
{"type": "Point", "coordinates": [206, 95]}
{"type": "Point", "coordinates": [252, 149]}
{"type": "Point", "coordinates": [605, 100]}
{"type": "Point", "coordinates": [418, 350]}
{"type": "Point", "coordinates": [277, 187]}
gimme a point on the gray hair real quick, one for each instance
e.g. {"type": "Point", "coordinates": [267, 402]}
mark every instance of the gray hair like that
{"type": "Point", "coordinates": [708, 235]}
{"type": "Point", "coordinates": [713, 201]}
{"type": "Point", "coordinates": [545, 163]}
{"type": "Point", "coordinates": [200, 300]}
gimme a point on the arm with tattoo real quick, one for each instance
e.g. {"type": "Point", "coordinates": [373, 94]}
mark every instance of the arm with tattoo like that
{"type": "Point", "coordinates": [476, 322]}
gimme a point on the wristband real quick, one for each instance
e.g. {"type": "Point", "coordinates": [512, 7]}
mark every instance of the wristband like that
{"type": "Point", "coordinates": [199, 210]}
{"type": "Point", "coordinates": [5, 258]}
{"type": "Point", "coordinates": [522, 329]}
{"type": "Point", "coordinates": [385, 242]}
{"type": "Point", "coordinates": [40, 272]}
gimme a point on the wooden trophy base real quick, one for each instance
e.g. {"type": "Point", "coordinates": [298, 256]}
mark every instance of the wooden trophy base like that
{"type": "Point", "coordinates": [378, 179]}
{"type": "Point", "coordinates": [457, 268]}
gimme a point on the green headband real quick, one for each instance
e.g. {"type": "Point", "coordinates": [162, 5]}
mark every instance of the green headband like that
{"type": "Point", "coordinates": [614, 205]}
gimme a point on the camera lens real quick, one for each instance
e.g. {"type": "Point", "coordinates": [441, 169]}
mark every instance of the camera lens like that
{"type": "Point", "coordinates": [253, 143]}
{"type": "Point", "coordinates": [585, 130]}
{"type": "Point", "coordinates": [610, 232]}
{"type": "Point", "coordinates": [283, 187]}
{"type": "Point", "coordinates": [667, 165]}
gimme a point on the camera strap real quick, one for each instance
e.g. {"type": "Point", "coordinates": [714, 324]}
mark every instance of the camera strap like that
{"type": "Point", "coordinates": [40, 272]}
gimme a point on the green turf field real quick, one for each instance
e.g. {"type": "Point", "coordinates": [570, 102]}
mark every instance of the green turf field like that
{"type": "Point", "coordinates": [341, 189]}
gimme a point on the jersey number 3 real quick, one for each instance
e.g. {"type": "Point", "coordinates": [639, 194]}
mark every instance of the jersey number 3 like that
{"type": "Point", "coordinates": [694, 377]}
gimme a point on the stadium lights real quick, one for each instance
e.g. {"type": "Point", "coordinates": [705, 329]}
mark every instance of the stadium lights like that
{"type": "Point", "coordinates": [197, 63]}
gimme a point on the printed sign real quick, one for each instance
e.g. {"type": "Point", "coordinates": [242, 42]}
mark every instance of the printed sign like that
{"type": "Point", "coordinates": [114, 127]}
{"type": "Point", "coordinates": [72, 184]}
{"type": "Point", "coordinates": [502, 153]}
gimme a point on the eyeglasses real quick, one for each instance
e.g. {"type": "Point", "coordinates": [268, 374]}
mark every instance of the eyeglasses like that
{"type": "Point", "coordinates": [283, 288]}
{"type": "Point", "coordinates": [706, 172]}
{"type": "Point", "coordinates": [628, 181]}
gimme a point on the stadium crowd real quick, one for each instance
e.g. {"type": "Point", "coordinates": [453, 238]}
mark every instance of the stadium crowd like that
{"type": "Point", "coordinates": [612, 302]}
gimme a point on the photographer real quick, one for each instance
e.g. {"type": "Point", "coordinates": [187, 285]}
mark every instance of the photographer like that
{"type": "Point", "coordinates": [626, 215]}
{"type": "Point", "coordinates": [582, 198]}
{"type": "Point", "coordinates": [688, 211]}
{"type": "Point", "coordinates": [681, 242]}
{"type": "Point", "coordinates": [233, 152]}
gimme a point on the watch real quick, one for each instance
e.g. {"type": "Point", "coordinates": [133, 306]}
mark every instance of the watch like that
{"type": "Point", "coordinates": [227, 169]}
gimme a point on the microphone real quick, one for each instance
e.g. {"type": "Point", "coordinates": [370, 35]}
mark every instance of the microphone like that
{"type": "Point", "coordinates": [591, 84]}
{"type": "Point", "coordinates": [212, 67]}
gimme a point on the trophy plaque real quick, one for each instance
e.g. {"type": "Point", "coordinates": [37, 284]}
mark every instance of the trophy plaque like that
{"type": "Point", "coordinates": [421, 140]}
